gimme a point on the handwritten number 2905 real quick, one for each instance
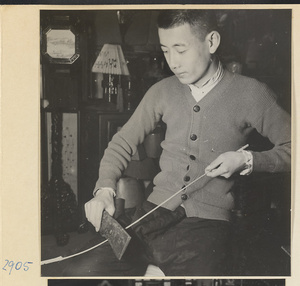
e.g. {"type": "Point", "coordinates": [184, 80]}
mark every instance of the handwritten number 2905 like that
{"type": "Point", "coordinates": [17, 266]}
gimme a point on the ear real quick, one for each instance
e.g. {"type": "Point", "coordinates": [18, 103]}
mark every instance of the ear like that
{"type": "Point", "coordinates": [214, 40]}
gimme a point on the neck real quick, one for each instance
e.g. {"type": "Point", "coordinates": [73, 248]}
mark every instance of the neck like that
{"type": "Point", "coordinates": [210, 71]}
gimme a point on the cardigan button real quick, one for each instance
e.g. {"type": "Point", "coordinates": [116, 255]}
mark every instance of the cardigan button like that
{"type": "Point", "coordinates": [184, 197]}
{"type": "Point", "coordinates": [192, 157]}
{"type": "Point", "coordinates": [186, 178]}
{"type": "Point", "coordinates": [196, 108]}
{"type": "Point", "coordinates": [193, 137]}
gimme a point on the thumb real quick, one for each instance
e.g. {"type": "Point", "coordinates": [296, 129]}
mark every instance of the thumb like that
{"type": "Point", "coordinates": [98, 223]}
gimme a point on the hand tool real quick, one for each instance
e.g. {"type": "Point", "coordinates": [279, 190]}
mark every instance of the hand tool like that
{"type": "Point", "coordinates": [116, 235]}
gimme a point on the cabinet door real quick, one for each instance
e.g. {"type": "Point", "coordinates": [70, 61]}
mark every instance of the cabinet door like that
{"type": "Point", "coordinates": [62, 87]}
{"type": "Point", "coordinates": [89, 155]}
{"type": "Point", "coordinates": [109, 124]}
{"type": "Point", "coordinates": [96, 130]}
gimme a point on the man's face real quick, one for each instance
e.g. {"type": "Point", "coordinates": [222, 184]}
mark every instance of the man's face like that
{"type": "Point", "coordinates": [187, 56]}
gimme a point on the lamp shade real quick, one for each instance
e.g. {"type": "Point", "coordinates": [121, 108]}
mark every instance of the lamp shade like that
{"type": "Point", "coordinates": [111, 61]}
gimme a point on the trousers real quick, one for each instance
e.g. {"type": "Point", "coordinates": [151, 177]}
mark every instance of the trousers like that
{"type": "Point", "coordinates": [184, 246]}
{"type": "Point", "coordinates": [179, 245]}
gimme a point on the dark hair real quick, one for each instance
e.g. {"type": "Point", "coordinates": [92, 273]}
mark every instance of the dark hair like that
{"type": "Point", "coordinates": [201, 21]}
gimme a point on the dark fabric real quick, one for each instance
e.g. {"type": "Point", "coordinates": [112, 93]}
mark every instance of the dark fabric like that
{"type": "Point", "coordinates": [194, 247]}
{"type": "Point", "coordinates": [157, 222]}
{"type": "Point", "coordinates": [148, 229]}
{"type": "Point", "coordinates": [184, 246]}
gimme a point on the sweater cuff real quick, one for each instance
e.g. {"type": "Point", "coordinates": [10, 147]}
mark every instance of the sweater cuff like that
{"type": "Point", "coordinates": [248, 163]}
{"type": "Point", "coordinates": [96, 191]}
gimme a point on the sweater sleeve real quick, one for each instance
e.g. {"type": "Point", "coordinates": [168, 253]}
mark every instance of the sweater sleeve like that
{"type": "Point", "coordinates": [274, 123]}
{"type": "Point", "coordinates": [124, 143]}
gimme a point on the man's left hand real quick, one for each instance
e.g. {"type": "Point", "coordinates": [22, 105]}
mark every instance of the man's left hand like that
{"type": "Point", "coordinates": [226, 165]}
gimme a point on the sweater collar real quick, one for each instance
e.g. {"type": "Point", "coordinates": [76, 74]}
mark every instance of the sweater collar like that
{"type": "Point", "coordinates": [199, 92]}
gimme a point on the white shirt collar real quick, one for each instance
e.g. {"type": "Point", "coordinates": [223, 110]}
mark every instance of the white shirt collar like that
{"type": "Point", "coordinates": [199, 92]}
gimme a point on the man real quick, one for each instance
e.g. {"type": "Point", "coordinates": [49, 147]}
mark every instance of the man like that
{"type": "Point", "coordinates": [209, 113]}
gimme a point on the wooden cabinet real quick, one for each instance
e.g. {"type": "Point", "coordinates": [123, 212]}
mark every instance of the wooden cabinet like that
{"type": "Point", "coordinates": [97, 128]}
{"type": "Point", "coordinates": [59, 173]}
{"type": "Point", "coordinates": [92, 129]}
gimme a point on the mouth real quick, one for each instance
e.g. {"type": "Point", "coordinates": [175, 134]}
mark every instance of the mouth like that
{"type": "Point", "coordinates": [180, 74]}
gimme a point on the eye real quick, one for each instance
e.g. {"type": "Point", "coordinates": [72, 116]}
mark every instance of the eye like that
{"type": "Point", "coordinates": [164, 51]}
{"type": "Point", "coordinates": [181, 51]}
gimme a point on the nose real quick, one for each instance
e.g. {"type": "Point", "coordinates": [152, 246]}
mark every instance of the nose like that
{"type": "Point", "coordinates": [173, 60]}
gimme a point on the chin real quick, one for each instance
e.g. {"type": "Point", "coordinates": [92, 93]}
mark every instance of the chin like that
{"type": "Point", "coordinates": [185, 80]}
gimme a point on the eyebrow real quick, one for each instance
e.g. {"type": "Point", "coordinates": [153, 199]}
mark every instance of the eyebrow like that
{"type": "Point", "coordinates": [176, 45]}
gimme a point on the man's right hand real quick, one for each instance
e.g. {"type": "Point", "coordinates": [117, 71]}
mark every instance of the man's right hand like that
{"type": "Point", "coordinates": [104, 200]}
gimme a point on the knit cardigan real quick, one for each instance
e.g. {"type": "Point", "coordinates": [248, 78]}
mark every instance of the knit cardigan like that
{"type": "Point", "coordinates": [197, 133]}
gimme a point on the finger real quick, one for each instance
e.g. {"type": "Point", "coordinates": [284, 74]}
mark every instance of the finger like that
{"type": "Point", "coordinates": [98, 222]}
{"type": "Point", "coordinates": [91, 213]}
{"type": "Point", "coordinates": [214, 165]}
{"type": "Point", "coordinates": [111, 209]}
{"type": "Point", "coordinates": [97, 215]}
{"type": "Point", "coordinates": [219, 171]}
{"type": "Point", "coordinates": [87, 210]}
{"type": "Point", "coordinates": [226, 175]}
{"type": "Point", "coordinates": [212, 172]}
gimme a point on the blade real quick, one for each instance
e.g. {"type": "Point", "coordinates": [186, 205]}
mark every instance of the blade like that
{"type": "Point", "coordinates": [116, 235]}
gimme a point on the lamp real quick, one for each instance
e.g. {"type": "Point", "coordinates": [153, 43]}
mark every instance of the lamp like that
{"type": "Point", "coordinates": [111, 61]}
